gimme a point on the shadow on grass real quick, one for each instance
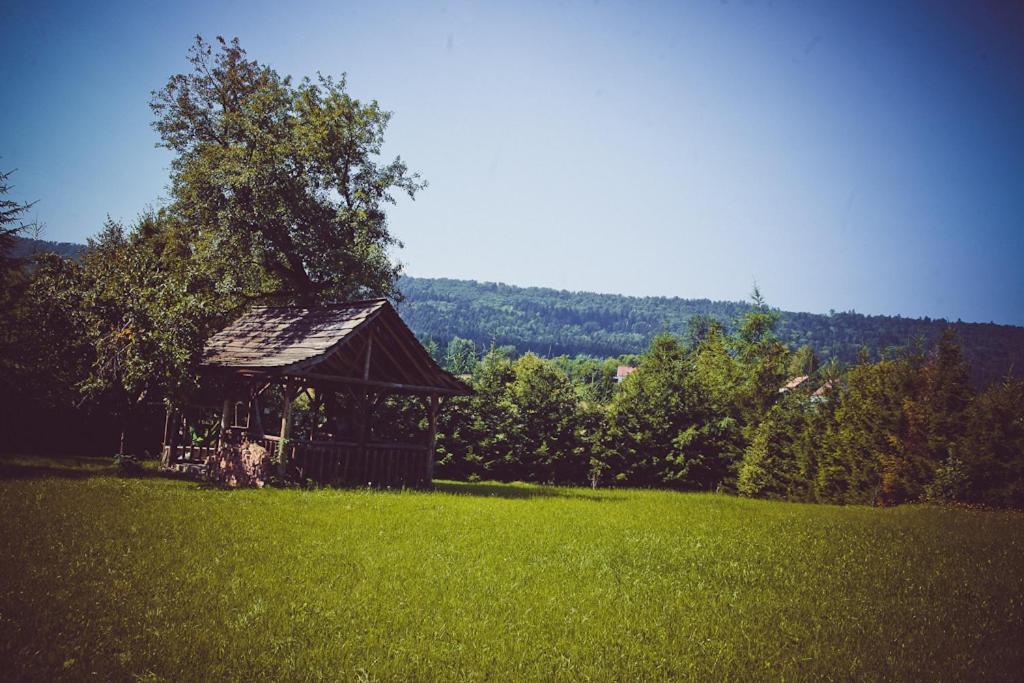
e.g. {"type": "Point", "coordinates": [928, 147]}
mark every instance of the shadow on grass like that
{"type": "Point", "coordinates": [492, 489]}
{"type": "Point", "coordinates": [20, 467]}
{"type": "Point", "coordinates": [68, 467]}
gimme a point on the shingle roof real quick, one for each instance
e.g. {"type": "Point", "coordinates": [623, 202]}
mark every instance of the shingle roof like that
{"type": "Point", "coordinates": [328, 342]}
{"type": "Point", "coordinates": [279, 336]}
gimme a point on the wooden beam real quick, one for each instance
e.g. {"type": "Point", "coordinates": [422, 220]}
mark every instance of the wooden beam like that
{"type": "Point", "coordinates": [286, 428]}
{"type": "Point", "coordinates": [369, 353]}
{"type": "Point", "coordinates": [414, 354]}
{"type": "Point", "coordinates": [171, 440]}
{"type": "Point", "coordinates": [397, 386]}
{"type": "Point", "coordinates": [340, 362]}
{"type": "Point", "coordinates": [400, 369]}
{"type": "Point", "coordinates": [225, 422]}
{"type": "Point", "coordinates": [256, 411]}
{"type": "Point", "coordinates": [435, 406]}
{"type": "Point", "coordinates": [258, 389]}
{"type": "Point", "coordinates": [167, 426]}
{"type": "Point", "coordinates": [365, 411]}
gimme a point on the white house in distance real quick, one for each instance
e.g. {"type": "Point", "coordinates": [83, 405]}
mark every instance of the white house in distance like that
{"type": "Point", "coordinates": [623, 371]}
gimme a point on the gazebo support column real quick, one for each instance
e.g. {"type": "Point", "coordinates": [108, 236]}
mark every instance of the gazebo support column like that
{"type": "Point", "coordinates": [225, 423]}
{"type": "Point", "coordinates": [255, 420]}
{"type": "Point", "coordinates": [433, 408]}
{"type": "Point", "coordinates": [364, 404]}
{"type": "Point", "coordinates": [286, 430]}
{"type": "Point", "coordinates": [170, 437]}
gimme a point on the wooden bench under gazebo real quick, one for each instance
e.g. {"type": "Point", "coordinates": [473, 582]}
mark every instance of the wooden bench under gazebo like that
{"type": "Point", "coordinates": [340, 362]}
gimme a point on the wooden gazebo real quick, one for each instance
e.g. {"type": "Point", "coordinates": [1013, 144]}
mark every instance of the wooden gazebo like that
{"type": "Point", "coordinates": [346, 359]}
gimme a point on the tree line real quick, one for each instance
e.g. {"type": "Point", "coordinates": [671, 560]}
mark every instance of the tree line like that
{"type": "Point", "coordinates": [713, 412]}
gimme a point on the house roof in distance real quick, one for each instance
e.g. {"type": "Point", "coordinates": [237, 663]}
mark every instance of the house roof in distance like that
{"type": "Point", "coordinates": [360, 342]}
{"type": "Point", "coordinates": [793, 383]}
{"type": "Point", "coordinates": [824, 389]}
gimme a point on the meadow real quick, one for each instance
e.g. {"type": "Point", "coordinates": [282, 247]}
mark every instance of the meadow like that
{"type": "Point", "coordinates": [151, 578]}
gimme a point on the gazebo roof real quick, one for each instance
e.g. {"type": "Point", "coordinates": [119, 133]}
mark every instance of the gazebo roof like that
{"type": "Point", "coordinates": [357, 343]}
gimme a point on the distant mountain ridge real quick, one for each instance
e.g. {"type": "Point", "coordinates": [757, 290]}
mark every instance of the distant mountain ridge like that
{"type": "Point", "coordinates": [26, 246]}
{"type": "Point", "coordinates": [553, 322]}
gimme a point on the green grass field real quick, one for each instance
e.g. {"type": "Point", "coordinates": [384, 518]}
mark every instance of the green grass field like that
{"type": "Point", "coordinates": [160, 579]}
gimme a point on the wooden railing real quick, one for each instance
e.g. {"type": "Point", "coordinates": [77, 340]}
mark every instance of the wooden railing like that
{"type": "Point", "coordinates": [337, 463]}
{"type": "Point", "coordinates": [383, 465]}
{"type": "Point", "coordinates": [189, 455]}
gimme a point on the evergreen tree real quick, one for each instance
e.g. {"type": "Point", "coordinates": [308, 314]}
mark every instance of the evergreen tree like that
{"type": "Point", "coordinates": [771, 466]}
{"type": "Point", "coordinates": [762, 359]}
{"type": "Point", "coordinates": [460, 356]}
{"type": "Point", "coordinates": [869, 417]}
{"type": "Point", "coordinates": [543, 407]}
{"type": "Point", "coordinates": [647, 414]}
{"type": "Point", "coordinates": [715, 439]}
{"type": "Point", "coordinates": [988, 462]}
{"type": "Point", "coordinates": [802, 362]}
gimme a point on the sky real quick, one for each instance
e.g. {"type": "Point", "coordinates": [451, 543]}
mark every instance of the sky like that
{"type": "Point", "coordinates": [862, 156]}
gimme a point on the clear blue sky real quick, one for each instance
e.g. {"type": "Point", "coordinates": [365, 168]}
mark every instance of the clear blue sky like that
{"type": "Point", "coordinates": [865, 156]}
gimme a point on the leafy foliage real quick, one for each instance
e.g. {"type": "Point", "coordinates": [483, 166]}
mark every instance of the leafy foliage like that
{"type": "Point", "coordinates": [279, 184]}
{"type": "Point", "coordinates": [990, 452]}
{"type": "Point", "coordinates": [715, 415]}
{"type": "Point", "coordinates": [524, 424]}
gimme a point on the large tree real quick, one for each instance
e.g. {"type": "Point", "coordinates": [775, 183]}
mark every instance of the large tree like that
{"type": "Point", "coordinates": [133, 321]}
{"type": "Point", "coordinates": [12, 285]}
{"type": "Point", "coordinates": [12, 224]}
{"type": "Point", "coordinates": [990, 458]}
{"type": "Point", "coordinates": [650, 412]}
{"type": "Point", "coordinates": [280, 184]}
{"type": "Point", "coordinates": [762, 359]}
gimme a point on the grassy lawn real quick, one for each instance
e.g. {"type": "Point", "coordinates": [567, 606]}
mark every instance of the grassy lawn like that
{"type": "Point", "coordinates": [155, 578]}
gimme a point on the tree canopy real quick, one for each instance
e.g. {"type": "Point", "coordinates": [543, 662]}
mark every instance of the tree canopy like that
{"type": "Point", "coordinates": [278, 185]}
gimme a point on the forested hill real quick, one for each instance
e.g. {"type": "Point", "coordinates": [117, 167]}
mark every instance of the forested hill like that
{"type": "Point", "coordinates": [552, 322]}
{"type": "Point", "coordinates": [24, 247]}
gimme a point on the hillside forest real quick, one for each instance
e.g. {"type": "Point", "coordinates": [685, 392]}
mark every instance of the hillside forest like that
{"type": "Point", "coordinates": [729, 397]}
{"type": "Point", "coordinates": [551, 323]}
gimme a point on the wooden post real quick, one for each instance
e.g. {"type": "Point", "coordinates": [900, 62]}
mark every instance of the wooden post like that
{"type": "Point", "coordinates": [170, 437]}
{"type": "Point", "coordinates": [225, 422]}
{"type": "Point", "coordinates": [186, 432]}
{"type": "Point", "coordinates": [286, 429]}
{"type": "Point", "coordinates": [432, 410]}
{"type": "Point", "coordinates": [255, 421]}
{"type": "Point", "coordinates": [167, 426]}
{"type": "Point", "coordinates": [364, 423]}
{"type": "Point", "coordinates": [369, 351]}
